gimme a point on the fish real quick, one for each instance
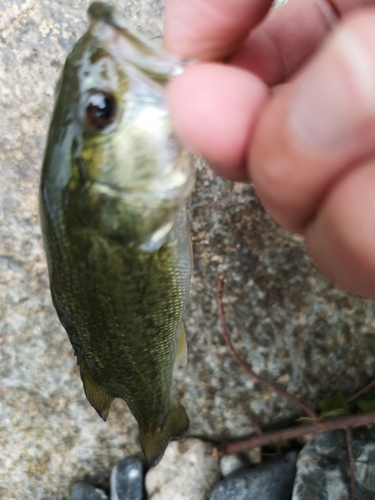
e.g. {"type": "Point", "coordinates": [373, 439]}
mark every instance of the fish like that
{"type": "Point", "coordinates": [113, 191]}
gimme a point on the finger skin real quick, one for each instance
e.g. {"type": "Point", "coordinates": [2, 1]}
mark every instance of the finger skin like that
{"type": "Point", "coordinates": [214, 109]}
{"type": "Point", "coordinates": [292, 173]}
{"type": "Point", "coordinates": [285, 39]}
{"type": "Point", "coordinates": [289, 35]}
{"type": "Point", "coordinates": [210, 29]}
{"type": "Point", "coordinates": [341, 238]}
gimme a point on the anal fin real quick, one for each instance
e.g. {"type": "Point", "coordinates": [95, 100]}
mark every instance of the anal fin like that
{"type": "Point", "coordinates": [99, 399]}
{"type": "Point", "coordinates": [181, 356]}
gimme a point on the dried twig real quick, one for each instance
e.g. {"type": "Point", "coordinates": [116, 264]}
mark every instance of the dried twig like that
{"type": "Point", "coordinates": [245, 366]}
{"type": "Point", "coordinates": [349, 444]}
{"type": "Point", "coordinates": [361, 392]}
{"type": "Point", "coordinates": [293, 432]}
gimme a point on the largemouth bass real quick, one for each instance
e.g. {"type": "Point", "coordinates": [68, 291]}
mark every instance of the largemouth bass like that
{"type": "Point", "coordinates": [113, 190]}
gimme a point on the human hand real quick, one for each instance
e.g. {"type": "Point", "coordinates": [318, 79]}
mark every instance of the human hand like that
{"type": "Point", "coordinates": [292, 110]}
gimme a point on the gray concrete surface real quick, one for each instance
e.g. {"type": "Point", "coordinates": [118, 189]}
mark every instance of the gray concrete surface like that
{"type": "Point", "coordinates": [285, 318]}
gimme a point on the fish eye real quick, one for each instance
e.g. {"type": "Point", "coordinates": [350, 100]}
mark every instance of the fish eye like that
{"type": "Point", "coordinates": [100, 109]}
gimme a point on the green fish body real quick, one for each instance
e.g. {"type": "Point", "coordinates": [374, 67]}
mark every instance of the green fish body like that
{"type": "Point", "coordinates": [112, 201]}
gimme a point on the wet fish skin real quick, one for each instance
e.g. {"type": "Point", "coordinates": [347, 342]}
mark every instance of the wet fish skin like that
{"type": "Point", "coordinates": [112, 207]}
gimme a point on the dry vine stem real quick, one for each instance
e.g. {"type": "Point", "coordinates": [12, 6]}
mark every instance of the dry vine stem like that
{"type": "Point", "coordinates": [346, 423]}
{"type": "Point", "coordinates": [247, 368]}
{"type": "Point", "coordinates": [360, 393]}
{"type": "Point", "coordinates": [293, 432]}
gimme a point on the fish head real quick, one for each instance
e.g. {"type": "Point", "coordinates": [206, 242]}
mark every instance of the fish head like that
{"type": "Point", "coordinates": [111, 135]}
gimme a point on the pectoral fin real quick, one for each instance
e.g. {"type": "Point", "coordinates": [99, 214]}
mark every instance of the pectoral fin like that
{"type": "Point", "coordinates": [181, 356]}
{"type": "Point", "coordinates": [99, 399]}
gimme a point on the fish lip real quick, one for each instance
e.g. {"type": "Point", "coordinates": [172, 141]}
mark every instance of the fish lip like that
{"type": "Point", "coordinates": [132, 47]}
{"type": "Point", "coordinates": [101, 11]}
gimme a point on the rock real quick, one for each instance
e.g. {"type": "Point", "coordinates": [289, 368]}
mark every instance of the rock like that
{"type": "Point", "coordinates": [254, 456]}
{"type": "Point", "coordinates": [187, 471]}
{"type": "Point", "coordinates": [127, 479]}
{"type": "Point", "coordinates": [233, 463]}
{"type": "Point", "coordinates": [273, 481]}
{"type": "Point", "coordinates": [85, 491]}
{"type": "Point", "coordinates": [284, 317]}
{"type": "Point", "coordinates": [323, 467]}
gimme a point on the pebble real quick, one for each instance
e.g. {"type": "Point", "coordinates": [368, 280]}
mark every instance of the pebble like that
{"type": "Point", "coordinates": [233, 463]}
{"type": "Point", "coordinates": [85, 491]}
{"type": "Point", "coordinates": [254, 456]}
{"type": "Point", "coordinates": [323, 467]}
{"type": "Point", "coordinates": [127, 479]}
{"type": "Point", "coordinates": [271, 481]}
{"type": "Point", "coordinates": [188, 471]}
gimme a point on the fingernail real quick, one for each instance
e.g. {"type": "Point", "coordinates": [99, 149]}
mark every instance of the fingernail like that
{"type": "Point", "coordinates": [336, 95]}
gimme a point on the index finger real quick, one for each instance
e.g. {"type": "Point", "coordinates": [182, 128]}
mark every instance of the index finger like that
{"type": "Point", "coordinates": [210, 29]}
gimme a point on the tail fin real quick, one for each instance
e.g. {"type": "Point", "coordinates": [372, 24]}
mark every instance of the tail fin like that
{"type": "Point", "coordinates": [154, 442]}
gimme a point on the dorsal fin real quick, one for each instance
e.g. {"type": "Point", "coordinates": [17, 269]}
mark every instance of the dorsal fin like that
{"type": "Point", "coordinates": [99, 399]}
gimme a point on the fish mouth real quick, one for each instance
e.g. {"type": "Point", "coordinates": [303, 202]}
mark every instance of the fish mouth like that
{"type": "Point", "coordinates": [130, 46]}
